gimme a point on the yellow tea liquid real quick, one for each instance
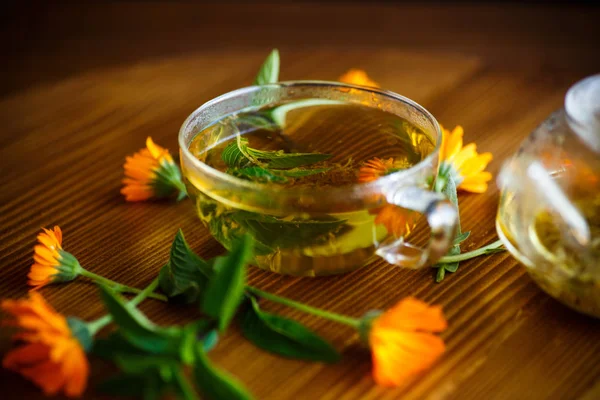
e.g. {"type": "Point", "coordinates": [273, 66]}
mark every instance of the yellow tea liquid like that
{"type": "Point", "coordinates": [568, 273]}
{"type": "Point", "coordinates": [347, 135]}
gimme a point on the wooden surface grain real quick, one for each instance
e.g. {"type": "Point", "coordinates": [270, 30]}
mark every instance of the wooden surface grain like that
{"type": "Point", "coordinates": [83, 85]}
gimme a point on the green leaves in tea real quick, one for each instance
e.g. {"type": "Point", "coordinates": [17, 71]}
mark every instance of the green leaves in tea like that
{"type": "Point", "coordinates": [258, 174]}
{"type": "Point", "coordinates": [283, 233]}
{"type": "Point", "coordinates": [233, 156]}
{"type": "Point", "coordinates": [269, 71]}
{"type": "Point", "coordinates": [281, 160]}
{"type": "Point", "coordinates": [263, 166]}
{"type": "Point", "coordinates": [283, 336]}
{"type": "Point", "coordinates": [264, 175]}
{"type": "Point", "coordinates": [225, 290]}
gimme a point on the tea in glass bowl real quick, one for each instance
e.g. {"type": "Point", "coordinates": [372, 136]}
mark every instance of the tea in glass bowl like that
{"type": "Point", "coordinates": [311, 177]}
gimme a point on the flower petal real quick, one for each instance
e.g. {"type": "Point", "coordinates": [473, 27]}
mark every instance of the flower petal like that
{"type": "Point", "coordinates": [399, 356]}
{"type": "Point", "coordinates": [397, 221]}
{"type": "Point", "coordinates": [455, 142]}
{"type": "Point", "coordinates": [357, 77]}
{"type": "Point", "coordinates": [374, 169]}
{"type": "Point", "coordinates": [466, 153]}
{"type": "Point", "coordinates": [52, 357]}
{"type": "Point", "coordinates": [46, 255]}
{"type": "Point", "coordinates": [476, 187]}
{"type": "Point", "coordinates": [411, 314]}
{"type": "Point", "coordinates": [475, 164]}
{"type": "Point", "coordinates": [76, 368]}
{"type": "Point", "coordinates": [26, 355]}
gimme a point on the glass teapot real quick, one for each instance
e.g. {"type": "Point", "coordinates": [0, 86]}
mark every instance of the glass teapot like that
{"type": "Point", "coordinates": [549, 213]}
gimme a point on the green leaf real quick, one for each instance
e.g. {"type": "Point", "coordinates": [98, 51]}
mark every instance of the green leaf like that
{"type": "Point", "coordinates": [215, 384]}
{"type": "Point", "coordinates": [451, 267]}
{"type": "Point", "coordinates": [137, 329]}
{"type": "Point", "coordinates": [284, 336]}
{"type": "Point", "coordinates": [225, 289]}
{"type": "Point", "coordinates": [237, 154]}
{"type": "Point", "coordinates": [233, 156]}
{"type": "Point", "coordinates": [275, 232]}
{"type": "Point", "coordinates": [112, 345]}
{"type": "Point", "coordinates": [149, 377]}
{"type": "Point", "coordinates": [147, 386]}
{"type": "Point", "coordinates": [258, 174]}
{"type": "Point", "coordinates": [269, 71]}
{"type": "Point", "coordinates": [450, 192]}
{"type": "Point", "coordinates": [255, 120]}
{"type": "Point", "coordinates": [142, 363]}
{"type": "Point", "coordinates": [186, 274]}
{"type": "Point", "coordinates": [441, 273]}
{"type": "Point", "coordinates": [279, 159]}
{"type": "Point", "coordinates": [461, 237]}
{"type": "Point", "coordinates": [265, 175]}
{"type": "Point", "coordinates": [144, 373]}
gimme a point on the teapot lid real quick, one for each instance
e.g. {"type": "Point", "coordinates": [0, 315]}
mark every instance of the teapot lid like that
{"type": "Point", "coordinates": [582, 104]}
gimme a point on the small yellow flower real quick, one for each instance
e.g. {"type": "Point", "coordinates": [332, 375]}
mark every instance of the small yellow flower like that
{"type": "Point", "coordinates": [51, 263]}
{"type": "Point", "coordinates": [402, 340]}
{"type": "Point", "coordinates": [52, 357]}
{"type": "Point", "coordinates": [463, 163]}
{"type": "Point", "coordinates": [357, 77]}
{"type": "Point", "coordinates": [151, 172]}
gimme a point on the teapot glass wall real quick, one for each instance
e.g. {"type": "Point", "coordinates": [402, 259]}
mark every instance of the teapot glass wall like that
{"type": "Point", "coordinates": [549, 214]}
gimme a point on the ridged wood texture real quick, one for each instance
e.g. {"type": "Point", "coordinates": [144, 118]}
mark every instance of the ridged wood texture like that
{"type": "Point", "coordinates": [84, 85]}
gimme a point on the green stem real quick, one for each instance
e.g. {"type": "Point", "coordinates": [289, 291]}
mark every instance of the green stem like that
{"type": "Point", "coordinates": [342, 319]}
{"type": "Point", "coordinates": [471, 254]}
{"type": "Point", "coordinates": [117, 287]}
{"type": "Point", "coordinates": [186, 390]}
{"type": "Point", "coordinates": [96, 325]}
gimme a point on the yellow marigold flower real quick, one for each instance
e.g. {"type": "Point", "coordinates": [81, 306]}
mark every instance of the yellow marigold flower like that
{"type": "Point", "coordinates": [357, 77]}
{"type": "Point", "coordinates": [52, 357]}
{"type": "Point", "coordinates": [51, 263]}
{"type": "Point", "coordinates": [402, 340]}
{"type": "Point", "coordinates": [151, 172]}
{"type": "Point", "coordinates": [463, 163]}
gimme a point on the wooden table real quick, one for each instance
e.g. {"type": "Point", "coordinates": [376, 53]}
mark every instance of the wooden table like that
{"type": "Point", "coordinates": [84, 85]}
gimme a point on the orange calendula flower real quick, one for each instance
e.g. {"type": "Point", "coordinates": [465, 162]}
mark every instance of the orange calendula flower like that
{"type": "Point", "coordinates": [51, 263]}
{"type": "Point", "coordinates": [375, 169]}
{"type": "Point", "coordinates": [357, 77]}
{"type": "Point", "coordinates": [463, 163]}
{"type": "Point", "coordinates": [397, 221]}
{"type": "Point", "coordinates": [52, 357]}
{"type": "Point", "coordinates": [403, 342]}
{"type": "Point", "coordinates": [151, 172]}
